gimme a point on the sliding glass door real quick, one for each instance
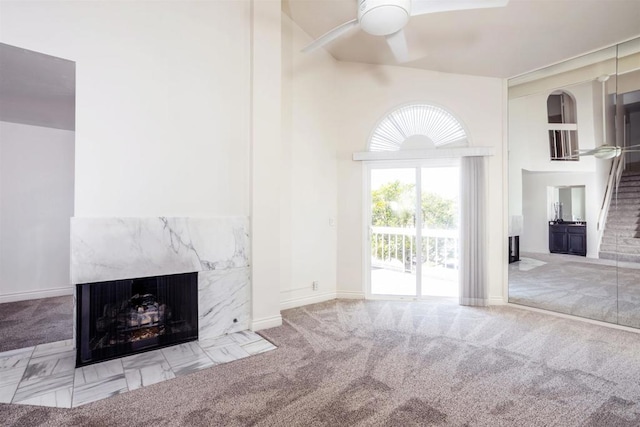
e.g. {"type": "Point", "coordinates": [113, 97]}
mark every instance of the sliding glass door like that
{"type": "Point", "coordinates": [440, 218]}
{"type": "Point", "coordinates": [412, 239]}
{"type": "Point", "coordinates": [393, 238]}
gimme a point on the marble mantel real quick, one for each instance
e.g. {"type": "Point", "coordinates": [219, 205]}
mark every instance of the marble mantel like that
{"type": "Point", "coordinates": [104, 249]}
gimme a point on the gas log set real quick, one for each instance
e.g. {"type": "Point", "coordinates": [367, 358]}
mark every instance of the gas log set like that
{"type": "Point", "coordinates": [140, 317]}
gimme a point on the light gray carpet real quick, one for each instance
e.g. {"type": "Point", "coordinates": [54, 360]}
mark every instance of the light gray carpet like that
{"type": "Point", "coordinates": [380, 363]}
{"type": "Point", "coordinates": [578, 286]}
{"type": "Point", "coordinates": [32, 322]}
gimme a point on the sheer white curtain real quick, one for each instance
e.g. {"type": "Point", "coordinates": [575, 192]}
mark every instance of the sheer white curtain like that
{"type": "Point", "coordinates": [473, 268]}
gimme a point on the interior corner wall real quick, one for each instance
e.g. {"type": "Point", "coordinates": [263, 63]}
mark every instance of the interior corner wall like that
{"type": "Point", "coordinates": [366, 94]}
{"type": "Point", "coordinates": [162, 105]}
{"type": "Point", "coordinates": [266, 162]}
{"type": "Point", "coordinates": [309, 177]}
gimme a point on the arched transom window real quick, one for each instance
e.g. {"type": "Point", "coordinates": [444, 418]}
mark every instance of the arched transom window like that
{"type": "Point", "coordinates": [417, 126]}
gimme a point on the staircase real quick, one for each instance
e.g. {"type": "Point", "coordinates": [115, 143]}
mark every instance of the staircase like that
{"type": "Point", "coordinates": [621, 236]}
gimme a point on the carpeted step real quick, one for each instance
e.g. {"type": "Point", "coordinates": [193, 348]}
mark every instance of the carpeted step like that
{"type": "Point", "coordinates": [622, 220]}
{"type": "Point", "coordinates": [625, 188]}
{"type": "Point", "coordinates": [619, 257]}
{"type": "Point", "coordinates": [622, 225]}
{"type": "Point", "coordinates": [629, 189]}
{"type": "Point", "coordinates": [621, 249]}
{"type": "Point", "coordinates": [628, 212]}
{"type": "Point", "coordinates": [607, 247]}
{"type": "Point", "coordinates": [608, 241]}
{"type": "Point", "coordinates": [613, 234]}
{"type": "Point", "coordinates": [631, 242]}
{"type": "Point", "coordinates": [628, 221]}
{"type": "Point", "coordinates": [629, 201]}
{"type": "Point", "coordinates": [624, 215]}
{"type": "Point", "coordinates": [626, 208]}
{"type": "Point", "coordinates": [631, 195]}
{"type": "Point", "coordinates": [627, 195]}
{"type": "Point", "coordinates": [629, 232]}
{"type": "Point", "coordinates": [625, 201]}
{"type": "Point", "coordinates": [627, 215]}
{"type": "Point", "coordinates": [607, 255]}
{"type": "Point", "coordinates": [617, 227]}
{"type": "Point", "coordinates": [630, 179]}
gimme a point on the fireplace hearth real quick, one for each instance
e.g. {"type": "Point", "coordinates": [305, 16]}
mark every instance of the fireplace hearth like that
{"type": "Point", "coordinates": [123, 317]}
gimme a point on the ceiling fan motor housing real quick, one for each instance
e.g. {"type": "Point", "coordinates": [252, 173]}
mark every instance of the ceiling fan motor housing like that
{"type": "Point", "coordinates": [383, 17]}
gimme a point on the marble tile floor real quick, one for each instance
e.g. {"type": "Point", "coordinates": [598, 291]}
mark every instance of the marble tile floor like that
{"type": "Point", "coordinates": [46, 375]}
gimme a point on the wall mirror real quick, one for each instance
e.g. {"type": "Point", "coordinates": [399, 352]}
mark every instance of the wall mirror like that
{"type": "Point", "coordinates": [37, 156]}
{"type": "Point", "coordinates": [567, 202]}
{"type": "Point", "coordinates": [574, 186]}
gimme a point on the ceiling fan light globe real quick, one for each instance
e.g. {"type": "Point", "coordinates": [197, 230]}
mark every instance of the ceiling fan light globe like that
{"type": "Point", "coordinates": [607, 152]}
{"type": "Point", "coordinates": [383, 17]}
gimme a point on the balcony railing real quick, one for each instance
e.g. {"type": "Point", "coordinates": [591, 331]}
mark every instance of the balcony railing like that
{"type": "Point", "coordinates": [394, 248]}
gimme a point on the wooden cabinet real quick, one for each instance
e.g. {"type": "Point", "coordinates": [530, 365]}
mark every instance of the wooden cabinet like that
{"type": "Point", "coordinates": [568, 238]}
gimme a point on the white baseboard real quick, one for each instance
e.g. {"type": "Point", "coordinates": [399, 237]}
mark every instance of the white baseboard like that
{"type": "Point", "coordinates": [306, 300]}
{"type": "Point", "coordinates": [45, 293]}
{"type": "Point", "coordinates": [350, 295]}
{"type": "Point", "coordinates": [266, 323]}
{"type": "Point", "coordinates": [497, 301]}
{"type": "Point", "coordinates": [576, 318]}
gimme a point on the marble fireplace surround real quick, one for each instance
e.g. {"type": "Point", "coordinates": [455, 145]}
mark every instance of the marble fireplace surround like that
{"type": "Point", "coordinates": [104, 249]}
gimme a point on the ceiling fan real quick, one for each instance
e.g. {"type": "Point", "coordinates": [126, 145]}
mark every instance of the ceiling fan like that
{"type": "Point", "coordinates": [388, 18]}
{"type": "Point", "coordinates": [607, 151]}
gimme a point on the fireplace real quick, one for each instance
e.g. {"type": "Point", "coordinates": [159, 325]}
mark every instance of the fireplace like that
{"type": "Point", "coordinates": [124, 317]}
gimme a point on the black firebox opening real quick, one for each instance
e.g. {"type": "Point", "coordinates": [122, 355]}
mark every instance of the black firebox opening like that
{"type": "Point", "coordinates": [124, 317]}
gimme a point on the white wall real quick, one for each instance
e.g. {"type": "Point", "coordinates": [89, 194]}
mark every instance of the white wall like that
{"type": "Point", "coordinates": [529, 140]}
{"type": "Point", "coordinates": [329, 110]}
{"type": "Point", "coordinates": [529, 158]}
{"type": "Point", "coordinates": [266, 163]}
{"type": "Point", "coordinates": [367, 94]}
{"type": "Point", "coordinates": [36, 202]}
{"type": "Point", "coordinates": [165, 115]}
{"type": "Point", "coordinates": [162, 106]}
{"type": "Point", "coordinates": [166, 122]}
{"type": "Point", "coordinates": [309, 185]}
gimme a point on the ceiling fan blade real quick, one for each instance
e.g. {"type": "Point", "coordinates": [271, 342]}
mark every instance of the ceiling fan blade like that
{"type": "Point", "coordinates": [398, 44]}
{"type": "Point", "coordinates": [331, 35]}
{"type": "Point", "coordinates": [420, 7]}
{"type": "Point", "coordinates": [586, 151]}
{"type": "Point", "coordinates": [631, 146]}
{"type": "Point", "coordinates": [592, 152]}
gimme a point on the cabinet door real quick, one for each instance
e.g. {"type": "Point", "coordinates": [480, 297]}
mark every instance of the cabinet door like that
{"type": "Point", "coordinates": [577, 244]}
{"type": "Point", "coordinates": [558, 240]}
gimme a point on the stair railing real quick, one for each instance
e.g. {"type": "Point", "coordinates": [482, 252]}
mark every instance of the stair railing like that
{"type": "Point", "coordinates": [617, 167]}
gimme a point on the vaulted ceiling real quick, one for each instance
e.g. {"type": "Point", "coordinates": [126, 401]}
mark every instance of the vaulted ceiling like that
{"type": "Point", "coordinates": [498, 42]}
